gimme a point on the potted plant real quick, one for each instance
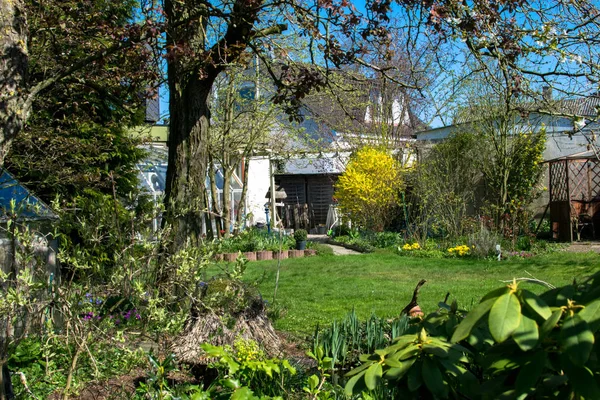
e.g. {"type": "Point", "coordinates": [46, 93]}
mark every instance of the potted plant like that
{"type": "Point", "coordinates": [300, 236]}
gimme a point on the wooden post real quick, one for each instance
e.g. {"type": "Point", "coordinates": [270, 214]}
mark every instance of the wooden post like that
{"type": "Point", "coordinates": [570, 223]}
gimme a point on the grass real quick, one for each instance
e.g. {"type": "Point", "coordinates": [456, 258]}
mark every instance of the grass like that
{"type": "Point", "coordinates": [319, 289]}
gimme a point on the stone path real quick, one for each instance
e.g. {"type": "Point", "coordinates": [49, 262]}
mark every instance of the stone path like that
{"type": "Point", "coordinates": [584, 247]}
{"type": "Point", "coordinates": [337, 250]}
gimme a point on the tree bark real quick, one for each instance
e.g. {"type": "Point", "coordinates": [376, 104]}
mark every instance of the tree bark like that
{"type": "Point", "coordinates": [192, 68]}
{"type": "Point", "coordinates": [13, 78]}
{"type": "Point", "coordinates": [190, 83]}
{"type": "Point", "coordinates": [186, 176]}
{"type": "Point", "coordinates": [13, 72]}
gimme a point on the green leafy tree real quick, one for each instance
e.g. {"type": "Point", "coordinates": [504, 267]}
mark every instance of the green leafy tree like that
{"type": "Point", "coordinates": [511, 151]}
{"type": "Point", "coordinates": [244, 122]}
{"type": "Point", "coordinates": [76, 147]}
{"type": "Point", "coordinates": [444, 185]}
{"type": "Point", "coordinates": [368, 190]}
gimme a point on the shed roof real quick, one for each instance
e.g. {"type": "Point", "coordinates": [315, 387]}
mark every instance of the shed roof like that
{"type": "Point", "coordinates": [28, 206]}
{"type": "Point", "coordinates": [584, 155]}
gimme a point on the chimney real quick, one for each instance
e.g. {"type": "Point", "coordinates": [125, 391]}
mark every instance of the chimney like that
{"type": "Point", "coordinates": [547, 93]}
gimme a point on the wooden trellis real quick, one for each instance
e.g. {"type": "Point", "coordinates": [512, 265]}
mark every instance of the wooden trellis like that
{"type": "Point", "coordinates": [575, 195]}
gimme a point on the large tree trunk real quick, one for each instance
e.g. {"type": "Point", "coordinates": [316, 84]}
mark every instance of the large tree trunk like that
{"type": "Point", "coordinates": [13, 72]}
{"type": "Point", "coordinates": [13, 78]}
{"type": "Point", "coordinates": [186, 177]}
{"type": "Point", "coordinates": [190, 84]}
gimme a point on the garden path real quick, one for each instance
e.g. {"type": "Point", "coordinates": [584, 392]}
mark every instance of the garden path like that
{"type": "Point", "coordinates": [584, 247]}
{"type": "Point", "coordinates": [337, 250]}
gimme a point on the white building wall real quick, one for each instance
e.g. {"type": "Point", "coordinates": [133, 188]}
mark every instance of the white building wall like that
{"type": "Point", "coordinates": [258, 185]}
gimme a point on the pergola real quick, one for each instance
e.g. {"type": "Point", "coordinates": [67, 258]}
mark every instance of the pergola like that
{"type": "Point", "coordinates": [574, 195]}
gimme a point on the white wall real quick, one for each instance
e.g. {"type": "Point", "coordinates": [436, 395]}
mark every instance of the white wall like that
{"type": "Point", "coordinates": [258, 185]}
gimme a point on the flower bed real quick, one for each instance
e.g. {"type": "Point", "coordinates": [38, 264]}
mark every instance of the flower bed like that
{"type": "Point", "coordinates": [266, 255]}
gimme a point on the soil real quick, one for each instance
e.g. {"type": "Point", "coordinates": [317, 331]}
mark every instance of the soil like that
{"type": "Point", "coordinates": [121, 387]}
{"type": "Point", "coordinates": [124, 386]}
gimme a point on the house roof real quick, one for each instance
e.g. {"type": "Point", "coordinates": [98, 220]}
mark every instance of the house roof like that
{"type": "Point", "coordinates": [354, 106]}
{"type": "Point", "coordinates": [588, 107]}
{"type": "Point", "coordinates": [583, 106]}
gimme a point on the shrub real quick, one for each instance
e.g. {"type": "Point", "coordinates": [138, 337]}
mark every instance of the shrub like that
{"type": "Point", "coordinates": [254, 240]}
{"type": "Point", "coordinates": [513, 344]}
{"type": "Point", "coordinates": [382, 240]}
{"type": "Point", "coordinates": [355, 242]}
{"type": "Point", "coordinates": [300, 235]}
{"type": "Point", "coordinates": [483, 243]}
{"type": "Point", "coordinates": [366, 194]}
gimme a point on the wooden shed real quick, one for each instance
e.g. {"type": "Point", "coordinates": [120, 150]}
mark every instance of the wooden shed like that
{"type": "Point", "coordinates": [575, 196]}
{"type": "Point", "coordinates": [308, 199]}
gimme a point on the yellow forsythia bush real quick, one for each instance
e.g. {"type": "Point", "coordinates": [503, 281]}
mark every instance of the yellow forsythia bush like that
{"type": "Point", "coordinates": [368, 191]}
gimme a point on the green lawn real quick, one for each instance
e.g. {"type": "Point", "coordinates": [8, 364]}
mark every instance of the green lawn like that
{"type": "Point", "coordinates": [319, 289]}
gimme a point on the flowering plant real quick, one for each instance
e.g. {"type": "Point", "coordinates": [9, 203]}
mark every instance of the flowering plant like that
{"type": "Point", "coordinates": [410, 247]}
{"type": "Point", "coordinates": [461, 250]}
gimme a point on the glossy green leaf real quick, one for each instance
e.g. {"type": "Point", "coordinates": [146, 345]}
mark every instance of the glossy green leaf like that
{"type": "Point", "coordinates": [591, 315]}
{"type": "Point", "coordinates": [550, 323]}
{"type": "Point", "coordinates": [437, 351]}
{"type": "Point", "coordinates": [577, 340]}
{"type": "Point", "coordinates": [505, 317]}
{"type": "Point", "coordinates": [466, 325]}
{"type": "Point", "coordinates": [527, 334]}
{"type": "Point", "coordinates": [397, 373]}
{"type": "Point", "coordinates": [393, 363]}
{"type": "Point", "coordinates": [581, 379]}
{"type": "Point", "coordinates": [373, 376]}
{"type": "Point", "coordinates": [413, 378]}
{"type": "Point", "coordinates": [230, 383]}
{"type": "Point", "coordinates": [564, 295]}
{"type": "Point", "coordinates": [408, 352]}
{"type": "Point", "coordinates": [352, 383]}
{"type": "Point", "coordinates": [368, 357]}
{"type": "Point", "coordinates": [531, 372]}
{"type": "Point", "coordinates": [494, 294]}
{"type": "Point", "coordinates": [433, 378]}
{"type": "Point", "coordinates": [536, 304]}
{"type": "Point", "coordinates": [359, 369]}
{"type": "Point", "coordinates": [243, 393]}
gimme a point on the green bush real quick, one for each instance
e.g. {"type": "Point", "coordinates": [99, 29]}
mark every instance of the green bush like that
{"type": "Point", "coordinates": [513, 344]}
{"type": "Point", "coordinates": [382, 240]}
{"type": "Point", "coordinates": [483, 242]}
{"type": "Point", "coordinates": [300, 235]}
{"type": "Point", "coordinates": [357, 243]}
{"type": "Point", "coordinates": [254, 240]}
